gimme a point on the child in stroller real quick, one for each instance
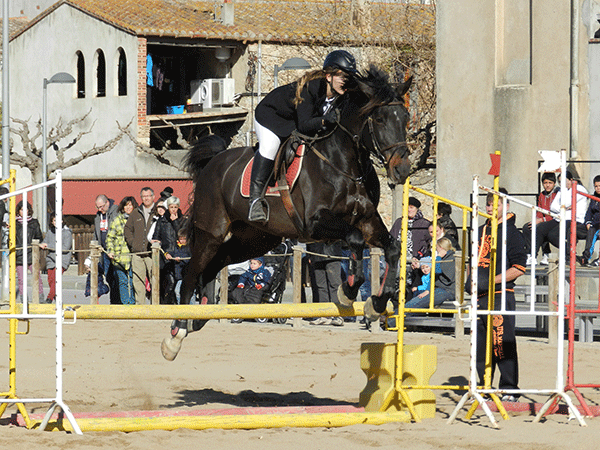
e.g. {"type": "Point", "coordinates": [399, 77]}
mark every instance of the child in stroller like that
{"type": "Point", "coordinates": [277, 263]}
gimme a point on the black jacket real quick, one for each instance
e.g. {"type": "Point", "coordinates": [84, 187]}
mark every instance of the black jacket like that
{"type": "Point", "coordinates": [278, 113]}
{"type": "Point", "coordinates": [33, 232]}
{"type": "Point", "coordinates": [592, 215]}
{"type": "Point", "coordinates": [516, 255]}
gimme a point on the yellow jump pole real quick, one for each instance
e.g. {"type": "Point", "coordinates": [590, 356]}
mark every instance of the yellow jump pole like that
{"type": "Point", "coordinates": [231, 422]}
{"type": "Point", "coordinates": [206, 312]}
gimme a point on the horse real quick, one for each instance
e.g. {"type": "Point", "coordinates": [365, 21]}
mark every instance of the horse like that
{"type": "Point", "coordinates": [331, 198]}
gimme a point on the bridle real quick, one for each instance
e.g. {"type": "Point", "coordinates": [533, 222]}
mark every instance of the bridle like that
{"type": "Point", "coordinates": [377, 150]}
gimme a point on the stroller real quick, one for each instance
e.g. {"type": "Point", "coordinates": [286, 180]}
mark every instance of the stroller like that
{"type": "Point", "coordinates": [277, 261]}
{"type": "Point", "coordinates": [276, 286]}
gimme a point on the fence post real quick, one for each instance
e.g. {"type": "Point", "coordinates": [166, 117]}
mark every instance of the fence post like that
{"type": "Point", "coordinates": [94, 258]}
{"type": "Point", "coordinates": [297, 282]}
{"type": "Point", "coordinates": [156, 273]}
{"type": "Point", "coordinates": [224, 289]}
{"type": "Point", "coordinates": [553, 280]}
{"type": "Point", "coordinates": [35, 270]}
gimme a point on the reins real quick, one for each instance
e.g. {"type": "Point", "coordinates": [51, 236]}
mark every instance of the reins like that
{"type": "Point", "coordinates": [309, 142]}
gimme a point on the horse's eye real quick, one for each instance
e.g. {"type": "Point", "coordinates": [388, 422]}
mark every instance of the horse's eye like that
{"type": "Point", "coordinates": [379, 120]}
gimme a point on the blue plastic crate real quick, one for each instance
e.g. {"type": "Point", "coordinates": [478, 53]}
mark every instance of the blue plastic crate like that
{"type": "Point", "coordinates": [175, 109]}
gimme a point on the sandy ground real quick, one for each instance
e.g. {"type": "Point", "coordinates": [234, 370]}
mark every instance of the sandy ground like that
{"type": "Point", "coordinates": [113, 366]}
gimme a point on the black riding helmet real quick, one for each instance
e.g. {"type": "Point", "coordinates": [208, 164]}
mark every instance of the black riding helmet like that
{"type": "Point", "coordinates": [342, 60]}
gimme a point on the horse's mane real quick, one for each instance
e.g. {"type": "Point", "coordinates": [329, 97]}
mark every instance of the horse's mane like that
{"type": "Point", "coordinates": [202, 152]}
{"type": "Point", "coordinates": [375, 85]}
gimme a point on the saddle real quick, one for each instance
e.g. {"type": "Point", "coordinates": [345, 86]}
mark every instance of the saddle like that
{"type": "Point", "coordinates": [290, 156]}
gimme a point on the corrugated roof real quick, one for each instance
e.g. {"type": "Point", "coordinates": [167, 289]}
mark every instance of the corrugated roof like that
{"type": "Point", "coordinates": [298, 21]}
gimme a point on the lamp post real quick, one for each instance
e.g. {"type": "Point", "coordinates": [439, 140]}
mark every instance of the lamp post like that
{"type": "Point", "coordinates": [61, 78]}
{"type": "Point", "coordinates": [290, 64]}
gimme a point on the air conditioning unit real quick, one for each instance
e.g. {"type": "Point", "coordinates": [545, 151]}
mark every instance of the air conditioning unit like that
{"type": "Point", "coordinates": [213, 92]}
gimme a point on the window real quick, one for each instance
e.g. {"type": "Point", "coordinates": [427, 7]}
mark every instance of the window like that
{"type": "Point", "coordinates": [80, 75]}
{"type": "Point", "coordinates": [122, 73]}
{"type": "Point", "coordinates": [100, 74]}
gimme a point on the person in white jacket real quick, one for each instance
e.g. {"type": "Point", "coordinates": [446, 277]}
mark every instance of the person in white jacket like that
{"type": "Point", "coordinates": [581, 208]}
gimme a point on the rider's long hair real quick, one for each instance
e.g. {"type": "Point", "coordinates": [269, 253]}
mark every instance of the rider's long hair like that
{"type": "Point", "coordinates": [309, 76]}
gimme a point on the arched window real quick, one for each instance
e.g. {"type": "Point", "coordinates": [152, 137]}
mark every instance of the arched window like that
{"type": "Point", "coordinates": [100, 74]}
{"type": "Point", "coordinates": [80, 75]}
{"type": "Point", "coordinates": [122, 73]}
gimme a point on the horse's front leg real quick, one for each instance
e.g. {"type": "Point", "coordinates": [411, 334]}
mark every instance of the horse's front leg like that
{"type": "Point", "coordinates": [376, 304]}
{"type": "Point", "coordinates": [348, 290]}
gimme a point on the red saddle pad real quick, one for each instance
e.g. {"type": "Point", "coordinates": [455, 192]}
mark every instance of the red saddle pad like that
{"type": "Point", "coordinates": [291, 176]}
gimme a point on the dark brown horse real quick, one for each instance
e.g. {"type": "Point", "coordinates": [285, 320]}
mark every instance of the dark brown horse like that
{"type": "Point", "coordinates": [331, 196]}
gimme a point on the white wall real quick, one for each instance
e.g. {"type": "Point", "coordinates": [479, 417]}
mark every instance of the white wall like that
{"type": "Point", "coordinates": [27, 8]}
{"type": "Point", "coordinates": [50, 47]}
{"type": "Point", "coordinates": [479, 112]}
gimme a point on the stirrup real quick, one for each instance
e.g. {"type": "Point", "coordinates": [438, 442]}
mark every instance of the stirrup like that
{"type": "Point", "coordinates": [259, 210]}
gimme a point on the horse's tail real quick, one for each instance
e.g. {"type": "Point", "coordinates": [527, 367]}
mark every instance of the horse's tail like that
{"type": "Point", "coordinates": [201, 153]}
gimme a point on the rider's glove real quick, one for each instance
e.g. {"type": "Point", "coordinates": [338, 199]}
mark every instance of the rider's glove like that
{"type": "Point", "coordinates": [331, 117]}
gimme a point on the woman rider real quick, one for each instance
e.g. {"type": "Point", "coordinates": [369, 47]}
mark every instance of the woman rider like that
{"type": "Point", "coordinates": [305, 105]}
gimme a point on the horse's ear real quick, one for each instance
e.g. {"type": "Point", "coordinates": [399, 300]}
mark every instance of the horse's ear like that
{"type": "Point", "coordinates": [402, 88]}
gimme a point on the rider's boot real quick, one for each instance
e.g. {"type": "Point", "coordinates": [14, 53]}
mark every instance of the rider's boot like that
{"type": "Point", "coordinates": [261, 171]}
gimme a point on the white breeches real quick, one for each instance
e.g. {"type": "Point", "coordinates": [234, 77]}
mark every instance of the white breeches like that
{"type": "Point", "coordinates": [268, 142]}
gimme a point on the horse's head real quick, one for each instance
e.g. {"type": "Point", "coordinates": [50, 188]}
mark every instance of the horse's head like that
{"type": "Point", "coordinates": [386, 118]}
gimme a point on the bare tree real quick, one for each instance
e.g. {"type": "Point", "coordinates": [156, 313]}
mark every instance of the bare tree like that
{"type": "Point", "coordinates": [61, 138]}
{"type": "Point", "coordinates": [160, 154]}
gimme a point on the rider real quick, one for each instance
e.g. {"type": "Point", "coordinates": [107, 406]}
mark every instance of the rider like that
{"type": "Point", "coordinates": [305, 105]}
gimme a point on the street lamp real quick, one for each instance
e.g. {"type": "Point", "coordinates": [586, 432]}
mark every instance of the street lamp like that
{"type": "Point", "coordinates": [61, 78]}
{"type": "Point", "coordinates": [290, 64]}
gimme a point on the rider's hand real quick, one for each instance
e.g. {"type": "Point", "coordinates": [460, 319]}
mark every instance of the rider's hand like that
{"type": "Point", "coordinates": [259, 286]}
{"type": "Point", "coordinates": [331, 117]}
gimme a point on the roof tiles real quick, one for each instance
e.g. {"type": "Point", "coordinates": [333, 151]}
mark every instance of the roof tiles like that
{"type": "Point", "coordinates": [297, 21]}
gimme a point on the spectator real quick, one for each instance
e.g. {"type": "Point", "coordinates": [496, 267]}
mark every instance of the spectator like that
{"type": "Point", "coordinates": [544, 201]}
{"type": "Point", "coordinates": [326, 277]}
{"type": "Point", "coordinates": [446, 222]}
{"type": "Point", "coordinates": [107, 211]}
{"type": "Point", "coordinates": [419, 292]}
{"type": "Point", "coordinates": [592, 223]}
{"type": "Point", "coordinates": [49, 243]}
{"type": "Point", "coordinates": [418, 238]}
{"type": "Point", "coordinates": [180, 256]}
{"type": "Point", "coordinates": [173, 213]}
{"type": "Point", "coordinates": [33, 232]}
{"type": "Point", "coordinates": [504, 351]}
{"type": "Point", "coordinates": [444, 277]}
{"type": "Point", "coordinates": [581, 205]}
{"type": "Point", "coordinates": [166, 192]}
{"type": "Point", "coordinates": [136, 235]}
{"type": "Point", "coordinates": [118, 251]}
{"type": "Point", "coordinates": [166, 234]}
{"type": "Point", "coordinates": [251, 283]}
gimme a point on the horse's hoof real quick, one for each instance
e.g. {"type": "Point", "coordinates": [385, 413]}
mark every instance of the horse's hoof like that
{"type": "Point", "coordinates": [369, 311]}
{"type": "Point", "coordinates": [170, 346]}
{"type": "Point", "coordinates": [342, 298]}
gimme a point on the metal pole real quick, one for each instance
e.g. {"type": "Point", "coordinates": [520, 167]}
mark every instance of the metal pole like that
{"type": "Point", "coordinates": [5, 95]}
{"type": "Point", "coordinates": [5, 134]}
{"type": "Point", "coordinates": [44, 158]}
